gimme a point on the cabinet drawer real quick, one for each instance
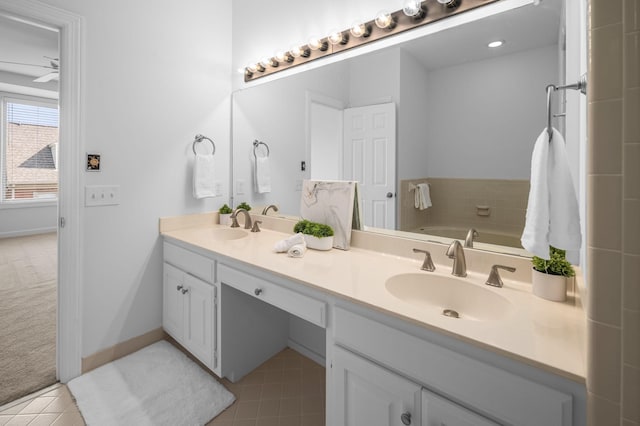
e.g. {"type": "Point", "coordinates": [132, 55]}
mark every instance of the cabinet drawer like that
{"type": "Point", "coordinates": [482, 387]}
{"type": "Point", "coordinates": [291, 301]}
{"type": "Point", "coordinates": [194, 263]}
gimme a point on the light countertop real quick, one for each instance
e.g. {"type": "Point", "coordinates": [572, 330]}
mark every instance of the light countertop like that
{"type": "Point", "coordinates": [541, 333]}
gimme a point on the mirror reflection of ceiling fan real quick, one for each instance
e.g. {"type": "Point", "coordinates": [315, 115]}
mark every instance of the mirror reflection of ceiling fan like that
{"type": "Point", "coordinates": [53, 67]}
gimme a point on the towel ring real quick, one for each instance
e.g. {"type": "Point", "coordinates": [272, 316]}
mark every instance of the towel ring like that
{"type": "Point", "coordinates": [200, 138]}
{"type": "Point", "coordinates": [256, 144]}
{"type": "Point", "coordinates": [581, 85]}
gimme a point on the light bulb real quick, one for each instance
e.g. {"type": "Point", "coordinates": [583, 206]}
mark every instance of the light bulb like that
{"type": "Point", "coordinates": [338, 37]}
{"type": "Point", "coordinates": [315, 43]}
{"type": "Point", "coordinates": [450, 3]}
{"type": "Point", "coordinates": [281, 56]}
{"type": "Point", "coordinates": [358, 29]}
{"type": "Point", "coordinates": [268, 62]}
{"type": "Point", "coordinates": [297, 51]}
{"type": "Point", "coordinates": [252, 68]}
{"type": "Point", "coordinates": [385, 20]}
{"type": "Point", "coordinates": [413, 8]}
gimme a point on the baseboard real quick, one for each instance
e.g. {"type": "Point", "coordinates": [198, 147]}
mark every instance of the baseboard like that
{"type": "Point", "coordinates": [121, 349]}
{"type": "Point", "coordinates": [25, 232]}
{"type": "Point", "coordinates": [307, 352]}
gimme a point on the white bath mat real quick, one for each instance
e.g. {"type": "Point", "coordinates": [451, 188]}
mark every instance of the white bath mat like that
{"type": "Point", "coordinates": [158, 385]}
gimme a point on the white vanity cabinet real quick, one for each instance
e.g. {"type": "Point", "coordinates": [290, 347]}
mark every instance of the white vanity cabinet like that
{"type": "Point", "coordinates": [190, 302]}
{"type": "Point", "coordinates": [456, 387]}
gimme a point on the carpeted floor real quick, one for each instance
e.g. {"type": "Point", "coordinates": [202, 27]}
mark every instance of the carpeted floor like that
{"type": "Point", "coordinates": [28, 302]}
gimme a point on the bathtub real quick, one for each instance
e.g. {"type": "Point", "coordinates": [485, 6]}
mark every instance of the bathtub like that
{"type": "Point", "coordinates": [487, 237]}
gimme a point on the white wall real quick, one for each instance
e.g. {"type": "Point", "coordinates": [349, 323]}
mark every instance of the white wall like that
{"type": "Point", "coordinates": [35, 219]}
{"type": "Point", "coordinates": [156, 74]}
{"type": "Point", "coordinates": [513, 85]}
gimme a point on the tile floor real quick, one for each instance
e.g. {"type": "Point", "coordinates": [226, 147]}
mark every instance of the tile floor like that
{"type": "Point", "coordinates": [287, 390]}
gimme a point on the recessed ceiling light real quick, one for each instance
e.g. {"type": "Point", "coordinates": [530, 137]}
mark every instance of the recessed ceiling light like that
{"type": "Point", "coordinates": [496, 43]}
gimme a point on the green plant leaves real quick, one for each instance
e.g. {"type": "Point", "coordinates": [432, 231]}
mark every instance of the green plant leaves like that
{"type": "Point", "coordinates": [556, 265]}
{"type": "Point", "coordinates": [318, 230]}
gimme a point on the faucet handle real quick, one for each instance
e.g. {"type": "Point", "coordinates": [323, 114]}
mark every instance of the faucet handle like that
{"type": "Point", "coordinates": [472, 234]}
{"type": "Point", "coordinates": [494, 276]}
{"type": "Point", "coordinates": [256, 228]}
{"type": "Point", "coordinates": [427, 265]}
{"type": "Point", "coordinates": [234, 221]}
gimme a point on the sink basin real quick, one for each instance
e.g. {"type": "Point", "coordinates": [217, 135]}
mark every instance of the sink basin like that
{"type": "Point", "coordinates": [228, 233]}
{"type": "Point", "coordinates": [450, 296]}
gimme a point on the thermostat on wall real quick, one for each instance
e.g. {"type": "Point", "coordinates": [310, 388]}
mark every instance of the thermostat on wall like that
{"type": "Point", "coordinates": [93, 162]}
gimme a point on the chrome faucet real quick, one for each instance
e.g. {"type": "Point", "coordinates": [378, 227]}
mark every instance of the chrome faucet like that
{"type": "Point", "coordinates": [494, 276]}
{"type": "Point", "coordinates": [471, 235]}
{"type": "Point", "coordinates": [234, 218]}
{"type": "Point", "coordinates": [427, 265]}
{"type": "Point", "coordinates": [270, 206]}
{"type": "Point", "coordinates": [456, 252]}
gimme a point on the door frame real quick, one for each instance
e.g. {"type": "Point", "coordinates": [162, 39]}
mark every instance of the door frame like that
{"type": "Point", "coordinates": [70, 213]}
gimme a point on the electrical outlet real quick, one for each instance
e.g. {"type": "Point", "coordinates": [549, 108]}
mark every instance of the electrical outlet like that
{"type": "Point", "coordinates": [217, 187]}
{"type": "Point", "coordinates": [101, 195]}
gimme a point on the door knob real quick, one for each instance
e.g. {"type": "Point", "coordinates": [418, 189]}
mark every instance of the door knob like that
{"type": "Point", "coordinates": [185, 290]}
{"type": "Point", "coordinates": [406, 418]}
{"type": "Point", "coordinates": [389, 194]}
{"type": "Point", "coordinates": [179, 287]}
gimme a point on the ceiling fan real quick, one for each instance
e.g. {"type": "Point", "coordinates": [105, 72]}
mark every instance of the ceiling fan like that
{"type": "Point", "coordinates": [53, 67]}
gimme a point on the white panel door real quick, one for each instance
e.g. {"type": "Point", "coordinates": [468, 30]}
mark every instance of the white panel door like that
{"type": "Point", "coordinates": [369, 395]}
{"type": "Point", "coordinates": [370, 158]}
{"type": "Point", "coordinates": [199, 320]}
{"type": "Point", "coordinates": [173, 302]}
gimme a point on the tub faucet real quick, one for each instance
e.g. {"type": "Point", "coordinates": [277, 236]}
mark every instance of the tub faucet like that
{"type": "Point", "coordinates": [270, 206]}
{"type": "Point", "coordinates": [234, 218]}
{"type": "Point", "coordinates": [471, 235]}
{"type": "Point", "coordinates": [456, 252]}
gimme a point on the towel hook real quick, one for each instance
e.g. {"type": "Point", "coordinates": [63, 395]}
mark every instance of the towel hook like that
{"type": "Point", "coordinates": [200, 138]}
{"type": "Point", "coordinates": [256, 144]}
{"type": "Point", "coordinates": [581, 85]}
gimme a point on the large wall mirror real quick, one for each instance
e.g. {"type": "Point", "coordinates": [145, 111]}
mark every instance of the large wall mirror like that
{"type": "Point", "coordinates": [444, 110]}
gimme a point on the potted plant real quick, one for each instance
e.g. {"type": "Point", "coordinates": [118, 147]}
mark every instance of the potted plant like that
{"type": "Point", "coordinates": [244, 205]}
{"type": "Point", "coordinates": [224, 214]}
{"type": "Point", "coordinates": [316, 235]}
{"type": "Point", "coordinates": [549, 277]}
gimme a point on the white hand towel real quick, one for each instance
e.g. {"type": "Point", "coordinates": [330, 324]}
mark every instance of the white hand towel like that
{"type": "Point", "coordinates": [262, 175]}
{"type": "Point", "coordinates": [297, 250]}
{"type": "Point", "coordinates": [204, 175]}
{"type": "Point", "coordinates": [284, 245]}
{"type": "Point", "coordinates": [422, 196]}
{"type": "Point", "coordinates": [552, 210]}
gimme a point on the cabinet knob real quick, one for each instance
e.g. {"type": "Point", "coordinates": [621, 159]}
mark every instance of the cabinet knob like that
{"type": "Point", "coordinates": [185, 290]}
{"type": "Point", "coordinates": [257, 291]}
{"type": "Point", "coordinates": [179, 287]}
{"type": "Point", "coordinates": [406, 418]}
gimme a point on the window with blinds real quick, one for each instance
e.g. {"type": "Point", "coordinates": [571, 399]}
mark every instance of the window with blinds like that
{"type": "Point", "coordinates": [29, 150]}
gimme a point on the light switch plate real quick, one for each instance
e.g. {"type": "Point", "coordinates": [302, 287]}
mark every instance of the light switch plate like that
{"type": "Point", "coordinates": [239, 186]}
{"type": "Point", "coordinates": [101, 195]}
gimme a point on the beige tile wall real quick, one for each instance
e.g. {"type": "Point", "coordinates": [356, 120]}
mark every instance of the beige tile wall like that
{"type": "Point", "coordinates": [455, 200]}
{"type": "Point", "coordinates": [613, 219]}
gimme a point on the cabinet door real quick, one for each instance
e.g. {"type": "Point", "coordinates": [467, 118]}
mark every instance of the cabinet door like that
{"type": "Point", "coordinates": [198, 319]}
{"type": "Point", "coordinates": [369, 395]}
{"type": "Point", "coordinates": [173, 302]}
{"type": "Point", "coordinates": [438, 411]}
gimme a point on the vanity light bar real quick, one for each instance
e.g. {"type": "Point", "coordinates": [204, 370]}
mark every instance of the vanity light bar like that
{"type": "Point", "coordinates": [360, 34]}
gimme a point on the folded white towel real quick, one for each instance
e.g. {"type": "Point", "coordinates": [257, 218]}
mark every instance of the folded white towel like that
{"type": "Point", "coordinates": [552, 210]}
{"type": "Point", "coordinates": [262, 175]}
{"type": "Point", "coordinates": [204, 175]}
{"type": "Point", "coordinates": [422, 199]}
{"type": "Point", "coordinates": [284, 245]}
{"type": "Point", "coordinates": [297, 250]}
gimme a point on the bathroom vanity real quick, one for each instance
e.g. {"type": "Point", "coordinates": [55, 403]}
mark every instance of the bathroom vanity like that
{"type": "Point", "coordinates": [518, 361]}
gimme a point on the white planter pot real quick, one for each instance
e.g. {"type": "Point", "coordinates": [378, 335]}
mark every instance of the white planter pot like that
{"type": "Point", "coordinates": [550, 287]}
{"type": "Point", "coordinates": [316, 243]}
{"type": "Point", "coordinates": [224, 218]}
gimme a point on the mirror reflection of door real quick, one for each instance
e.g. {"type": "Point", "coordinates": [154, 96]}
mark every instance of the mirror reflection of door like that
{"type": "Point", "coordinates": [370, 158]}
